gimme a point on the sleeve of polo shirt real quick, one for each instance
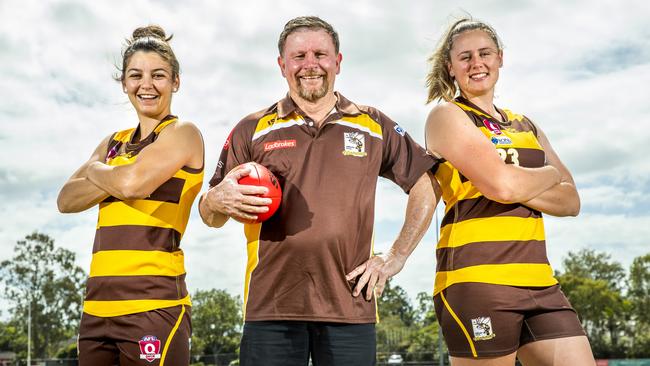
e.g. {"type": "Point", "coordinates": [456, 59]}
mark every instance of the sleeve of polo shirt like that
{"type": "Point", "coordinates": [235, 151]}
{"type": "Point", "coordinates": [403, 160]}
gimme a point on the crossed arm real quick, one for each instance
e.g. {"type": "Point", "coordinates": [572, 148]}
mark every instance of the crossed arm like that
{"type": "Point", "coordinates": [180, 144]}
{"type": "Point", "coordinates": [562, 199]}
{"type": "Point", "coordinates": [450, 134]}
{"type": "Point", "coordinates": [78, 193]}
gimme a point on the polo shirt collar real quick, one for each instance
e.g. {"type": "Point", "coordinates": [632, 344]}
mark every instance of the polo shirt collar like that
{"type": "Point", "coordinates": [286, 106]}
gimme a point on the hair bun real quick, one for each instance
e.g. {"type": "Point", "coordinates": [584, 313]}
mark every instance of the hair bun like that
{"type": "Point", "coordinates": [151, 31]}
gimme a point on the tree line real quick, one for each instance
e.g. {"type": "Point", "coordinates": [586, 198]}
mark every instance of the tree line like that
{"type": "Point", "coordinates": [42, 279]}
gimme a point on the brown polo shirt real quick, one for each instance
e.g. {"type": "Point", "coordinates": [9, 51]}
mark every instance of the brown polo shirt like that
{"type": "Point", "coordinates": [297, 260]}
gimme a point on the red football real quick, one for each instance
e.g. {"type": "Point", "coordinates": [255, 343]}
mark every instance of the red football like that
{"type": "Point", "coordinates": [260, 176]}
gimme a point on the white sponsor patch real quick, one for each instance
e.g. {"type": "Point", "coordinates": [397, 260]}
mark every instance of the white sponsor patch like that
{"type": "Point", "coordinates": [400, 130]}
{"type": "Point", "coordinates": [354, 143]}
{"type": "Point", "coordinates": [482, 327]}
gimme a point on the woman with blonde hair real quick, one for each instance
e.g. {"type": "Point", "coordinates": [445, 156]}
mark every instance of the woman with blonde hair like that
{"type": "Point", "coordinates": [495, 294]}
{"type": "Point", "coordinates": [137, 309]}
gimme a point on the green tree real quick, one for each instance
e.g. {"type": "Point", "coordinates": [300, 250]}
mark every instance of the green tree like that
{"type": "Point", "coordinates": [424, 340]}
{"type": "Point", "coordinates": [394, 301]}
{"type": "Point", "coordinates": [639, 295]}
{"type": "Point", "coordinates": [216, 322]}
{"type": "Point", "coordinates": [593, 283]}
{"type": "Point", "coordinates": [45, 279]}
{"type": "Point", "coordinates": [588, 263]}
{"type": "Point", "coordinates": [426, 312]}
{"type": "Point", "coordinates": [639, 291]}
{"type": "Point", "coordinates": [396, 321]}
{"type": "Point", "coordinates": [13, 337]}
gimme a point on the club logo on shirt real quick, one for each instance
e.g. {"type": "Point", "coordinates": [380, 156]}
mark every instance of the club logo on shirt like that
{"type": "Point", "coordinates": [354, 143]}
{"type": "Point", "coordinates": [482, 327]}
{"type": "Point", "coordinates": [149, 348]}
{"type": "Point", "coordinates": [279, 144]}
{"type": "Point", "coordinates": [492, 127]}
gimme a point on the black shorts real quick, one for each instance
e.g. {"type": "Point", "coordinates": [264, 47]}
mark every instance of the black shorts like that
{"type": "Point", "coordinates": [157, 337]}
{"type": "Point", "coordinates": [291, 343]}
{"type": "Point", "coordinates": [485, 320]}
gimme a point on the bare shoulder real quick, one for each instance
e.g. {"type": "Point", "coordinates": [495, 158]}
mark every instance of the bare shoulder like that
{"type": "Point", "coordinates": [536, 128]}
{"type": "Point", "coordinates": [187, 125]}
{"type": "Point", "coordinates": [182, 129]}
{"type": "Point", "coordinates": [443, 113]}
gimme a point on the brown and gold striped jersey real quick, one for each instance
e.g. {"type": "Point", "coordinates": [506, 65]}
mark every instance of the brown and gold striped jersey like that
{"type": "Point", "coordinates": [483, 240]}
{"type": "Point", "coordinates": [137, 264]}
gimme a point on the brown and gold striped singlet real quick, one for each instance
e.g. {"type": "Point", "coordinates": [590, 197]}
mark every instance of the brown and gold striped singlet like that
{"type": "Point", "coordinates": [137, 264]}
{"type": "Point", "coordinates": [483, 240]}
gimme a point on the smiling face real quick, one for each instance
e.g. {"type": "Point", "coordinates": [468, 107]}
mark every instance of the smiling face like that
{"type": "Point", "coordinates": [310, 64]}
{"type": "Point", "coordinates": [474, 62]}
{"type": "Point", "coordinates": [149, 83]}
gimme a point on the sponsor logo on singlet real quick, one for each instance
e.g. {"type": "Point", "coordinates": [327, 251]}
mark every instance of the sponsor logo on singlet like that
{"type": "Point", "coordinates": [279, 144]}
{"type": "Point", "coordinates": [482, 327]}
{"type": "Point", "coordinates": [149, 348]}
{"type": "Point", "coordinates": [400, 130]}
{"type": "Point", "coordinates": [501, 140]}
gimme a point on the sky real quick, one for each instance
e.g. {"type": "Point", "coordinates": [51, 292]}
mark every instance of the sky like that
{"type": "Point", "coordinates": [580, 71]}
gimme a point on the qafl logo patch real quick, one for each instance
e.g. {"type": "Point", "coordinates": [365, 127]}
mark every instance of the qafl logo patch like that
{"type": "Point", "coordinates": [492, 127]}
{"type": "Point", "coordinates": [113, 152]}
{"type": "Point", "coordinates": [354, 144]}
{"type": "Point", "coordinates": [482, 327]}
{"type": "Point", "coordinates": [149, 348]}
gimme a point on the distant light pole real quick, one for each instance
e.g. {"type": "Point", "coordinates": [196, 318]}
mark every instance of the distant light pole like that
{"type": "Point", "coordinates": [29, 332]}
{"type": "Point", "coordinates": [441, 361]}
{"type": "Point", "coordinates": [214, 346]}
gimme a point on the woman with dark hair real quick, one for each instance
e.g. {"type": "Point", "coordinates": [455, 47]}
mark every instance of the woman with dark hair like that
{"type": "Point", "coordinates": [144, 180]}
{"type": "Point", "coordinates": [495, 294]}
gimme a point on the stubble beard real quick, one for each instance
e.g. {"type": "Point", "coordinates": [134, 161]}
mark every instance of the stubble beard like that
{"type": "Point", "coordinates": [312, 95]}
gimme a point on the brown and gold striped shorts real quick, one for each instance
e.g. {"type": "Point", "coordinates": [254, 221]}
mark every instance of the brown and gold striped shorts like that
{"type": "Point", "coordinates": [158, 337]}
{"type": "Point", "coordinates": [485, 320]}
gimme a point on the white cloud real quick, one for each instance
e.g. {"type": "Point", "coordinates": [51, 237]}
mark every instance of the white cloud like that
{"type": "Point", "coordinates": [571, 67]}
{"type": "Point", "coordinates": [624, 237]}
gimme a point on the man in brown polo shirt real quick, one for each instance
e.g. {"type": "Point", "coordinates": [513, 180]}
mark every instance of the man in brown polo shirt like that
{"type": "Point", "coordinates": [302, 290]}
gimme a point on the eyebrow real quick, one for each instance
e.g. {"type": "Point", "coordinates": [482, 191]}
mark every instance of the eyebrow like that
{"type": "Point", "coordinates": [154, 70]}
{"type": "Point", "coordinates": [480, 49]}
{"type": "Point", "coordinates": [302, 52]}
